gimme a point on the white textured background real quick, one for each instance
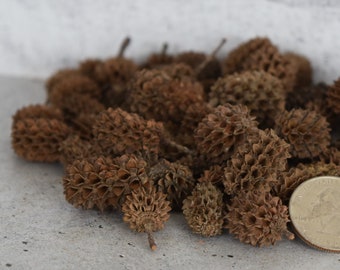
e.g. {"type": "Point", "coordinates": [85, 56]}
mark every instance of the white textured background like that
{"type": "Point", "coordinates": [39, 36]}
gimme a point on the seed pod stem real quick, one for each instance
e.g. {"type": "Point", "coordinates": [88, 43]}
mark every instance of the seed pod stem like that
{"type": "Point", "coordinates": [123, 46]}
{"type": "Point", "coordinates": [152, 243]}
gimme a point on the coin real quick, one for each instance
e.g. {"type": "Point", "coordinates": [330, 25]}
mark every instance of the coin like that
{"type": "Point", "coordinates": [314, 209]}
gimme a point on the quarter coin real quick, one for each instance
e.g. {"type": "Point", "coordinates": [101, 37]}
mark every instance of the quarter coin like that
{"type": "Point", "coordinates": [314, 209]}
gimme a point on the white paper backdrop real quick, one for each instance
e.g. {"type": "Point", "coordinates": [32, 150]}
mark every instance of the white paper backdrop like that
{"type": "Point", "coordinates": [39, 36]}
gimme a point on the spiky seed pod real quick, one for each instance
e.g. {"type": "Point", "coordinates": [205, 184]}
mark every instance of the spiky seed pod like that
{"type": "Point", "coordinates": [75, 104]}
{"type": "Point", "coordinates": [173, 179]}
{"type": "Point", "coordinates": [333, 96]}
{"type": "Point", "coordinates": [75, 148]}
{"type": "Point", "coordinates": [88, 67]}
{"type": "Point", "coordinates": [80, 85]}
{"type": "Point", "coordinates": [88, 183]}
{"type": "Point", "coordinates": [117, 132]}
{"type": "Point", "coordinates": [290, 180]}
{"type": "Point", "coordinates": [146, 210]}
{"type": "Point", "coordinates": [158, 59]}
{"type": "Point", "coordinates": [102, 182]}
{"type": "Point", "coordinates": [214, 175]}
{"type": "Point", "coordinates": [256, 163]}
{"type": "Point", "coordinates": [38, 139]}
{"type": "Point", "coordinates": [37, 111]}
{"type": "Point", "coordinates": [261, 54]}
{"type": "Point", "coordinates": [306, 131]}
{"type": "Point", "coordinates": [331, 156]}
{"type": "Point", "coordinates": [258, 218]}
{"type": "Point", "coordinates": [261, 92]}
{"type": "Point", "coordinates": [60, 75]}
{"type": "Point", "coordinates": [155, 95]}
{"type": "Point", "coordinates": [304, 72]}
{"type": "Point", "coordinates": [307, 97]}
{"type": "Point", "coordinates": [203, 210]}
{"type": "Point", "coordinates": [113, 75]}
{"type": "Point", "coordinates": [220, 133]}
{"type": "Point", "coordinates": [178, 71]}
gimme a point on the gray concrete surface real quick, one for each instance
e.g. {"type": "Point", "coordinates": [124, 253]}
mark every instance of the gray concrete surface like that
{"type": "Point", "coordinates": [40, 230]}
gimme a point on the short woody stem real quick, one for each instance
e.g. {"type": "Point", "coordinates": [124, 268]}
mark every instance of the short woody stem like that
{"type": "Point", "coordinates": [164, 49]}
{"type": "Point", "coordinates": [210, 57]}
{"type": "Point", "coordinates": [152, 243]}
{"type": "Point", "coordinates": [123, 46]}
{"type": "Point", "coordinates": [289, 235]}
{"type": "Point", "coordinates": [181, 148]}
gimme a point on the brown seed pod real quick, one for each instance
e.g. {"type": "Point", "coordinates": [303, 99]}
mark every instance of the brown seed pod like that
{"type": "Point", "coordinates": [258, 218]}
{"type": "Point", "coordinates": [261, 92]}
{"type": "Point", "coordinates": [117, 132]}
{"type": "Point", "coordinates": [37, 111]}
{"type": "Point", "coordinates": [38, 139]}
{"type": "Point", "coordinates": [146, 210]}
{"type": "Point", "coordinates": [220, 133]}
{"type": "Point", "coordinates": [88, 67]}
{"type": "Point", "coordinates": [256, 163]}
{"type": "Point", "coordinates": [333, 96]}
{"type": "Point", "coordinates": [76, 85]}
{"type": "Point", "coordinates": [156, 60]}
{"type": "Point", "coordinates": [113, 75]}
{"type": "Point", "coordinates": [306, 131]}
{"type": "Point", "coordinates": [214, 175]}
{"type": "Point", "coordinates": [261, 54]}
{"type": "Point", "coordinates": [173, 179]}
{"type": "Point", "coordinates": [290, 180]}
{"type": "Point", "coordinates": [303, 67]}
{"type": "Point", "coordinates": [103, 182]}
{"type": "Point", "coordinates": [60, 75]}
{"type": "Point", "coordinates": [203, 209]}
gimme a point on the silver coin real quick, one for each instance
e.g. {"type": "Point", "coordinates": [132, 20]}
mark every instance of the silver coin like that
{"type": "Point", "coordinates": [314, 209]}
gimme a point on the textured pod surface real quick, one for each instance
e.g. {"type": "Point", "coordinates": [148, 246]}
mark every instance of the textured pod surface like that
{"type": "Point", "coordinates": [222, 131]}
{"type": "Point", "coordinates": [118, 132]}
{"type": "Point", "coordinates": [203, 209]}
{"type": "Point", "coordinates": [256, 163]}
{"type": "Point", "coordinates": [333, 96]}
{"type": "Point", "coordinates": [103, 182]}
{"type": "Point", "coordinates": [37, 111]}
{"type": "Point", "coordinates": [303, 67]}
{"type": "Point", "coordinates": [261, 54]}
{"type": "Point", "coordinates": [261, 92]}
{"type": "Point", "coordinates": [146, 209]}
{"type": "Point", "coordinates": [258, 218]}
{"type": "Point", "coordinates": [174, 180]}
{"type": "Point", "coordinates": [306, 131]}
{"type": "Point", "coordinates": [80, 85]}
{"type": "Point", "coordinates": [60, 75]}
{"type": "Point", "coordinates": [38, 139]}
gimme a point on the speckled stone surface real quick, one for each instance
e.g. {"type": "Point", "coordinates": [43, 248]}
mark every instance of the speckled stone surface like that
{"type": "Point", "coordinates": [40, 230]}
{"type": "Point", "coordinates": [37, 37]}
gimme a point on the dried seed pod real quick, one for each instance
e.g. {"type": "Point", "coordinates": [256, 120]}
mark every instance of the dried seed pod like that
{"type": "Point", "coordinates": [117, 132]}
{"type": "Point", "coordinates": [290, 180]}
{"type": "Point", "coordinates": [88, 67]}
{"type": "Point", "coordinates": [203, 209]}
{"type": "Point", "coordinates": [38, 139]}
{"type": "Point", "coordinates": [60, 75]}
{"type": "Point", "coordinates": [220, 133]}
{"type": "Point", "coordinates": [303, 66]}
{"type": "Point", "coordinates": [214, 175]}
{"type": "Point", "coordinates": [75, 148]}
{"type": "Point", "coordinates": [256, 163]}
{"type": "Point", "coordinates": [156, 60]}
{"type": "Point", "coordinates": [261, 92]}
{"type": "Point", "coordinates": [156, 95]}
{"type": "Point", "coordinates": [37, 111]}
{"type": "Point", "coordinates": [307, 132]}
{"type": "Point", "coordinates": [173, 179]}
{"type": "Point", "coordinates": [258, 218]}
{"type": "Point", "coordinates": [146, 210]}
{"type": "Point", "coordinates": [179, 71]}
{"type": "Point", "coordinates": [113, 75]}
{"type": "Point", "coordinates": [333, 96]}
{"type": "Point", "coordinates": [103, 182]}
{"type": "Point", "coordinates": [261, 54]}
{"type": "Point", "coordinates": [75, 85]}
